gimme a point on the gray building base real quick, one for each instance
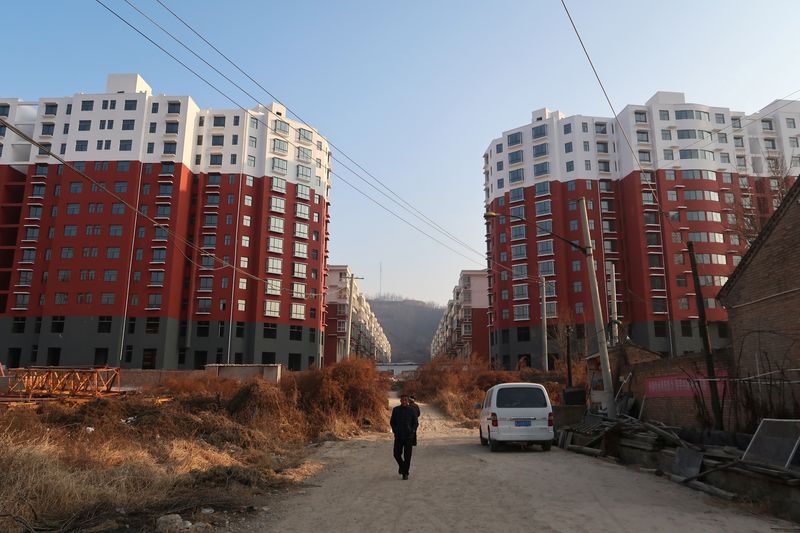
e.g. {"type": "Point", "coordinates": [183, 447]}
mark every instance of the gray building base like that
{"type": "Point", "coordinates": [139, 343]}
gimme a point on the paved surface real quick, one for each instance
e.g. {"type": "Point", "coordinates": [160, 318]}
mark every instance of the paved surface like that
{"type": "Point", "coordinates": [458, 485]}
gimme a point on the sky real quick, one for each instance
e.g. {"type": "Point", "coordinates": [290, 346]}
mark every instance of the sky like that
{"type": "Point", "coordinates": [414, 91]}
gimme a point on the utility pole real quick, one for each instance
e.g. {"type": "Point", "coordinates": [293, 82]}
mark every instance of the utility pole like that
{"type": "Point", "coordinates": [602, 347]}
{"type": "Point", "coordinates": [614, 320]}
{"type": "Point", "coordinates": [349, 315]}
{"type": "Point", "coordinates": [543, 291]}
{"type": "Point", "coordinates": [569, 356]}
{"type": "Point", "coordinates": [701, 312]}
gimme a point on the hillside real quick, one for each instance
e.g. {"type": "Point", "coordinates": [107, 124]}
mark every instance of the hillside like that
{"type": "Point", "coordinates": [409, 325]}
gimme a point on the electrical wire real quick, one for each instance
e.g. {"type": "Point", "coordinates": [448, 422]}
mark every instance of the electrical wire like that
{"type": "Point", "coordinates": [401, 203]}
{"type": "Point", "coordinates": [137, 30]}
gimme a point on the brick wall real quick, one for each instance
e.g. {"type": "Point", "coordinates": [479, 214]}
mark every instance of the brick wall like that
{"type": "Point", "coordinates": [664, 388]}
{"type": "Point", "coordinates": [764, 317]}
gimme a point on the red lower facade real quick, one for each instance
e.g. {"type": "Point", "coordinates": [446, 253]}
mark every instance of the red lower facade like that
{"type": "Point", "coordinates": [641, 225]}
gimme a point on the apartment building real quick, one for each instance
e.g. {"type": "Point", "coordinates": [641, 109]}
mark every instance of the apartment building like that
{"type": "Point", "coordinates": [654, 178]}
{"type": "Point", "coordinates": [176, 236]}
{"type": "Point", "coordinates": [463, 329]}
{"type": "Point", "coordinates": [367, 338]}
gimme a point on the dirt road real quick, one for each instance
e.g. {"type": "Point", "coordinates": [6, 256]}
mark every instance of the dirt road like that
{"type": "Point", "coordinates": [458, 485]}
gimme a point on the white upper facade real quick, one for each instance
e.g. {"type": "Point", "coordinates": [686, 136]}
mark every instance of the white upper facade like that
{"type": "Point", "coordinates": [128, 122]}
{"type": "Point", "coordinates": [666, 132]}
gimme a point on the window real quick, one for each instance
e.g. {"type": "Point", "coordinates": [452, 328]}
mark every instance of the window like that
{"type": "Point", "coordinates": [87, 105]}
{"type": "Point", "coordinates": [547, 268]}
{"type": "Point", "coordinates": [170, 147]}
{"type": "Point", "coordinates": [641, 136]}
{"type": "Point", "coordinates": [515, 176]}
{"type": "Point", "coordinates": [515, 157]}
{"type": "Point", "coordinates": [521, 312]}
{"type": "Point", "coordinates": [298, 311]}
{"type": "Point", "coordinates": [640, 116]}
{"type": "Point", "coordinates": [541, 169]}
{"type": "Point", "coordinates": [514, 139]}
{"type": "Point", "coordinates": [600, 128]}
{"type": "Point", "coordinates": [542, 248]}
{"type": "Point", "coordinates": [539, 131]}
{"type": "Point", "coordinates": [663, 114]}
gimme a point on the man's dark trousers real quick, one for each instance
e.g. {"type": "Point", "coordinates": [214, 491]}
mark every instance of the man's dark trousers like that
{"type": "Point", "coordinates": [402, 454]}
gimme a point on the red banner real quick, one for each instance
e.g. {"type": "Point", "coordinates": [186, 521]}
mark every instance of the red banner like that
{"type": "Point", "coordinates": [681, 385]}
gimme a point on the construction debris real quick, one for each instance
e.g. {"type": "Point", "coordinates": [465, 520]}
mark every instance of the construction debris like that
{"type": "Point", "coordinates": [685, 462]}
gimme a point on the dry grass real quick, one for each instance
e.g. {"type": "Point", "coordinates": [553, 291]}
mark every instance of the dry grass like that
{"type": "Point", "coordinates": [187, 443]}
{"type": "Point", "coordinates": [456, 386]}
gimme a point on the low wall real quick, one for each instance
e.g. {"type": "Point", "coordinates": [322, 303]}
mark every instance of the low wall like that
{"type": "Point", "coordinates": [663, 387]}
{"type": "Point", "coordinates": [568, 415]}
{"type": "Point", "coordinates": [135, 378]}
{"type": "Point", "coordinates": [780, 497]}
{"type": "Point", "coordinates": [270, 373]}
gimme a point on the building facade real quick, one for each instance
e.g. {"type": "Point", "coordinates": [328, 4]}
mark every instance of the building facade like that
{"type": "Point", "coordinates": [654, 178]}
{"type": "Point", "coordinates": [175, 237]}
{"type": "Point", "coordinates": [367, 338]}
{"type": "Point", "coordinates": [463, 330]}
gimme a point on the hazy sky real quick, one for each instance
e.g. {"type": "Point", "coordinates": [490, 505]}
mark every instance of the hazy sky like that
{"type": "Point", "coordinates": [414, 91]}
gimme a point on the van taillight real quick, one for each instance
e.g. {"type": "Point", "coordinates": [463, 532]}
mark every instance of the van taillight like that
{"type": "Point", "coordinates": [550, 419]}
{"type": "Point", "coordinates": [494, 420]}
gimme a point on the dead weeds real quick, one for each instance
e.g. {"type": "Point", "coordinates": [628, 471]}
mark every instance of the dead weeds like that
{"type": "Point", "coordinates": [456, 386]}
{"type": "Point", "coordinates": [69, 467]}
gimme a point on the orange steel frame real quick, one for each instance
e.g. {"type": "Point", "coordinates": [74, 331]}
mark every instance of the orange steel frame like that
{"type": "Point", "coordinates": [54, 381]}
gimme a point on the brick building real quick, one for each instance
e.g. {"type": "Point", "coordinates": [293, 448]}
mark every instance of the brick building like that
{"type": "Point", "coordinates": [176, 236]}
{"type": "Point", "coordinates": [762, 298]}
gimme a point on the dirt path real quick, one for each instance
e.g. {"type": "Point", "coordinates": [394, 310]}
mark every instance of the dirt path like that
{"type": "Point", "coordinates": [458, 485]}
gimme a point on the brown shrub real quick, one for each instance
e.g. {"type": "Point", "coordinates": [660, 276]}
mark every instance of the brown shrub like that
{"type": "Point", "coordinates": [67, 466]}
{"type": "Point", "coordinates": [456, 386]}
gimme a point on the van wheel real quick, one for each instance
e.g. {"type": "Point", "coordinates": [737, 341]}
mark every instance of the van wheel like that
{"type": "Point", "coordinates": [493, 444]}
{"type": "Point", "coordinates": [484, 442]}
{"type": "Point", "coordinates": [546, 446]}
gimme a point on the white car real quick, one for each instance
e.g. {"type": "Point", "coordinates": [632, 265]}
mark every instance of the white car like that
{"type": "Point", "coordinates": [516, 412]}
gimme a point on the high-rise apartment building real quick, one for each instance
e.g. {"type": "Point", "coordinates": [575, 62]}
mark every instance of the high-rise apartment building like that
{"type": "Point", "coordinates": [367, 339]}
{"type": "Point", "coordinates": [463, 329]}
{"type": "Point", "coordinates": [658, 176]}
{"type": "Point", "coordinates": [181, 236]}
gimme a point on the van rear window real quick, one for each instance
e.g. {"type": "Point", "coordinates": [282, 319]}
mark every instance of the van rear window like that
{"type": "Point", "coordinates": [521, 397]}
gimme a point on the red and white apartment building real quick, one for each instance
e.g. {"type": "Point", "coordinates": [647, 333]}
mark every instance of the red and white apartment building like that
{"type": "Point", "coordinates": [463, 329]}
{"type": "Point", "coordinates": [367, 339]}
{"type": "Point", "coordinates": [656, 177]}
{"type": "Point", "coordinates": [196, 235]}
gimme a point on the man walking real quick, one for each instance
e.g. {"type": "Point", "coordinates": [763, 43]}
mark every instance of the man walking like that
{"type": "Point", "coordinates": [404, 426]}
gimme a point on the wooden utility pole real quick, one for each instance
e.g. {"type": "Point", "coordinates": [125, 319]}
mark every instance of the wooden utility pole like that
{"type": "Point", "coordinates": [349, 317]}
{"type": "Point", "coordinates": [701, 313]}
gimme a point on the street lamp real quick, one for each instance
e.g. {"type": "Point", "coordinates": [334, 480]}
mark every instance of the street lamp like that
{"type": "Point", "coordinates": [587, 251]}
{"type": "Point", "coordinates": [542, 280]}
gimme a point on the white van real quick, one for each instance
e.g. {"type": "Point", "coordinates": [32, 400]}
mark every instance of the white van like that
{"type": "Point", "coordinates": [516, 412]}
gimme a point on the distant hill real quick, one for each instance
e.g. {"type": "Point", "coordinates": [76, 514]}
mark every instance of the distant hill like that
{"type": "Point", "coordinates": [409, 325]}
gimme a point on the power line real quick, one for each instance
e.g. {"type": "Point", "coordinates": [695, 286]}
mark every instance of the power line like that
{"type": "Point", "coordinates": [333, 173]}
{"type": "Point", "coordinates": [248, 112]}
{"type": "Point", "coordinates": [401, 203]}
{"type": "Point", "coordinates": [296, 115]}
